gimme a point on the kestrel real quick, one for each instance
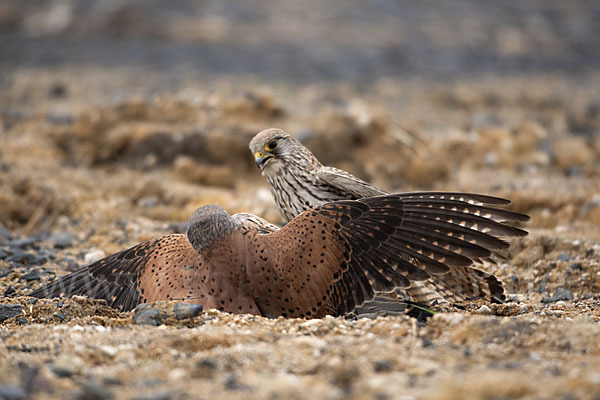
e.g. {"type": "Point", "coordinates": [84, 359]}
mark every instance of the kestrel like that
{"type": "Point", "coordinates": [326, 261]}
{"type": "Point", "coordinates": [299, 182]}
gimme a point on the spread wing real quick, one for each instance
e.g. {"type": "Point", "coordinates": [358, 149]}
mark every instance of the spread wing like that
{"type": "Point", "coordinates": [113, 278]}
{"type": "Point", "coordinates": [167, 268]}
{"type": "Point", "coordinates": [331, 259]}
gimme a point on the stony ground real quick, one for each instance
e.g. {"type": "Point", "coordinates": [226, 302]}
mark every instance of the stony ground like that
{"type": "Point", "coordinates": [99, 154]}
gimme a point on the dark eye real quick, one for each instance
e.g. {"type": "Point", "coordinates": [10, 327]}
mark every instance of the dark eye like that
{"type": "Point", "coordinates": [272, 145]}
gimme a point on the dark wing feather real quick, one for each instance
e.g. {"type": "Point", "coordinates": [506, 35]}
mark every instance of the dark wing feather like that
{"type": "Point", "coordinates": [113, 279]}
{"type": "Point", "coordinates": [384, 242]}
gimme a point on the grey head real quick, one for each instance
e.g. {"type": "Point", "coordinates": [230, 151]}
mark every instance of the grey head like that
{"type": "Point", "coordinates": [275, 149]}
{"type": "Point", "coordinates": [209, 224]}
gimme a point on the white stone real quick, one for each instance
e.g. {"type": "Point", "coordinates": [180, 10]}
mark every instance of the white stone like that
{"type": "Point", "coordinates": [484, 310]}
{"type": "Point", "coordinates": [94, 256]}
{"type": "Point", "coordinates": [109, 350]}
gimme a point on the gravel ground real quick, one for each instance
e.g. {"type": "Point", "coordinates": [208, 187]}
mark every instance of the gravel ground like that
{"type": "Point", "coordinates": [117, 121]}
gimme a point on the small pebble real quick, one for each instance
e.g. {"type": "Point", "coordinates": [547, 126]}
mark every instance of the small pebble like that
{"type": "Point", "coordinates": [62, 240]}
{"type": "Point", "coordinates": [141, 307]}
{"type": "Point", "coordinates": [60, 316]}
{"type": "Point", "coordinates": [23, 243]}
{"type": "Point", "coordinates": [206, 363]}
{"type": "Point", "coordinates": [94, 256]}
{"type": "Point", "coordinates": [484, 310]}
{"type": "Point", "coordinates": [34, 275]}
{"type": "Point", "coordinates": [382, 366]}
{"type": "Point", "coordinates": [20, 256]}
{"type": "Point", "coordinates": [62, 371]}
{"type": "Point", "coordinates": [186, 310]}
{"type": "Point", "coordinates": [156, 396]}
{"type": "Point", "coordinates": [232, 383]}
{"type": "Point", "coordinates": [523, 309]}
{"type": "Point", "coordinates": [205, 368]}
{"type": "Point", "coordinates": [110, 380]}
{"type": "Point", "coordinates": [564, 257]}
{"type": "Point", "coordinates": [10, 290]}
{"type": "Point", "coordinates": [8, 392]}
{"type": "Point", "coordinates": [4, 234]}
{"type": "Point", "coordinates": [576, 267]}
{"type": "Point", "coordinates": [560, 294]}
{"type": "Point", "coordinates": [57, 118]}
{"type": "Point", "coordinates": [93, 391]}
{"type": "Point", "coordinates": [110, 351]}
{"type": "Point", "coordinates": [150, 316]}
{"type": "Point", "coordinates": [10, 310]}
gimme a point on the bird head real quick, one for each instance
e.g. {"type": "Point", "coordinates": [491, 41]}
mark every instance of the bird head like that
{"type": "Point", "coordinates": [274, 147]}
{"type": "Point", "coordinates": [207, 225]}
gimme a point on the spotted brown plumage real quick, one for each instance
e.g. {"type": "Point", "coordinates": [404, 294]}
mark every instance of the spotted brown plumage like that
{"type": "Point", "coordinates": [327, 261]}
{"type": "Point", "coordinates": [159, 269]}
{"type": "Point", "coordinates": [299, 182]}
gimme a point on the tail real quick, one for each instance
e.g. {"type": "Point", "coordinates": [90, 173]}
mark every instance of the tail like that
{"type": "Point", "coordinates": [458, 285]}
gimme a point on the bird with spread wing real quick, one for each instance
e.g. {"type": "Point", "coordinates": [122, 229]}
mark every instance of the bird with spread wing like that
{"type": "Point", "coordinates": [299, 182]}
{"type": "Point", "coordinates": [327, 261]}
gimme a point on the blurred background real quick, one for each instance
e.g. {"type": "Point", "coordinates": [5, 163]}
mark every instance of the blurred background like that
{"type": "Point", "coordinates": [296, 43]}
{"type": "Point", "coordinates": [127, 109]}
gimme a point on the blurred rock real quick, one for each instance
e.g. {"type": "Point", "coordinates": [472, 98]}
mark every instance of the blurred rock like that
{"type": "Point", "coordinates": [94, 256]}
{"type": "Point", "coordinates": [8, 392]}
{"type": "Point", "coordinates": [186, 310]}
{"type": "Point", "coordinates": [205, 368]}
{"type": "Point", "coordinates": [19, 256]}
{"type": "Point", "coordinates": [62, 239]}
{"type": "Point", "coordinates": [58, 118]}
{"type": "Point", "coordinates": [149, 316]}
{"type": "Point", "coordinates": [155, 396]}
{"type": "Point", "coordinates": [10, 310]}
{"type": "Point", "coordinates": [484, 310]}
{"type": "Point", "coordinates": [4, 234]}
{"type": "Point", "coordinates": [559, 294]}
{"type": "Point", "coordinates": [93, 391]}
{"type": "Point", "coordinates": [63, 370]}
{"type": "Point", "coordinates": [34, 275]}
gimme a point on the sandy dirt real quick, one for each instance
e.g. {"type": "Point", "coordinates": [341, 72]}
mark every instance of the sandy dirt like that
{"type": "Point", "coordinates": [116, 122]}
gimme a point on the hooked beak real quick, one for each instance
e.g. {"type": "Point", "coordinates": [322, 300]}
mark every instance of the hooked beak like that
{"type": "Point", "coordinates": [261, 160]}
